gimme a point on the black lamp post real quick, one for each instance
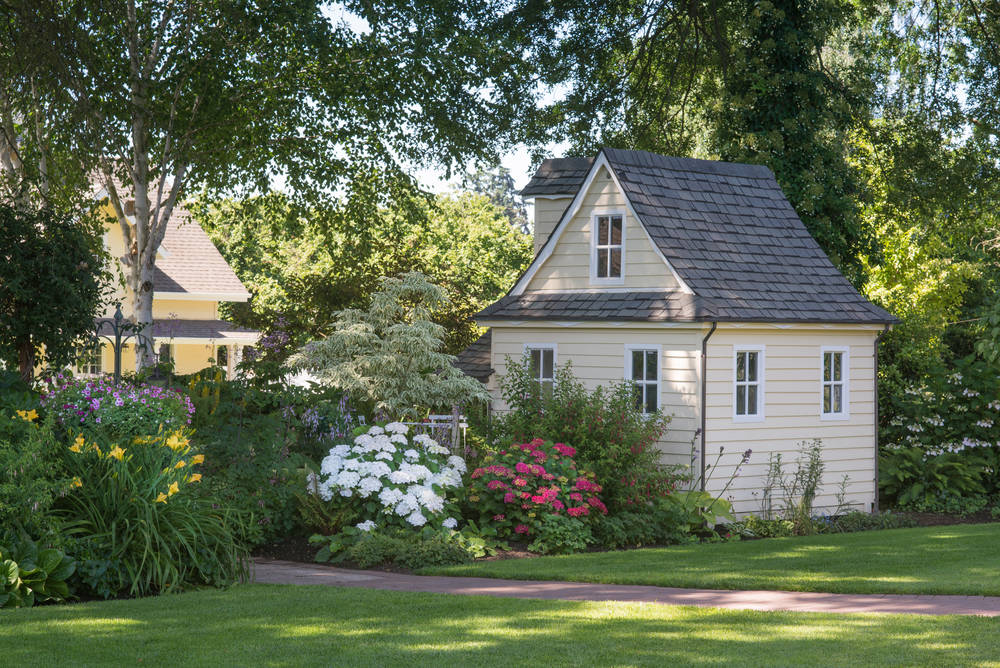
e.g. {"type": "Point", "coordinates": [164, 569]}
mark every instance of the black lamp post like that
{"type": "Point", "coordinates": [121, 331]}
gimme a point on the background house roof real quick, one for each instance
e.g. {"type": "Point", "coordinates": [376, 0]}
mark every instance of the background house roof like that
{"type": "Point", "coordinates": [192, 264]}
{"type": "Point", "coordinates": [176, 328]}
{"type": "Point", "coordinates": [730, 233]}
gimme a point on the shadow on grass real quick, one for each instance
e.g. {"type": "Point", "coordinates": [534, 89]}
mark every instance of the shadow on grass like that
{"type": "Point", "coordinates": [278, 625]}
{"type": "Point", "coordinates": [937, 560]}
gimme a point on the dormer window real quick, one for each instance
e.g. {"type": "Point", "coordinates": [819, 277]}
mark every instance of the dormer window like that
{"type": "Point", "coordinates": [609, 243]}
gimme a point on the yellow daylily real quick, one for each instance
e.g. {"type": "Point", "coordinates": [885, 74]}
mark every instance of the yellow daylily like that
{"type": "Point", "coordinates": [97, 449]}
{"type": "Point", "coordinates": [75, 447]}
{"type": "Point", "coordinates": [76, 482]}
{"type": "Point", "coordinates": [162, 498]}
{"type": "Point", "coordinates": [197, 459]}
{"type": "Point", "coordinates": [173, 489]}
{"type": "Point", "coordinates": [28, 415]}
{"type": "Point", "coordinates": [177, 442]}
{"type": "Point", "coordinates": [181, 464]}
{"type": "Point", "coordinates": [117, 453]}
{"type": "Point", "coordinates": [195, 477]}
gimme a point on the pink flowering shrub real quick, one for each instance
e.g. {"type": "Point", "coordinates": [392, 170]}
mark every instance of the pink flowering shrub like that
{"type": "Point", "coordinates": [515, 489]}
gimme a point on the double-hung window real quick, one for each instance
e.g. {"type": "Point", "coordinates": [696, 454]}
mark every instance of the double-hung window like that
{"type": "Point", "coordinates": [90, 362]}
{"type": "Point", "coordinates": [642, 368]}
{"type": "Point", "coordinates": [835, 402]}
{"type": "Point", "coordinates": [748, 385]}
{"type": "Point", "coordinates": [542, 361]}
{"type": "Point", "coordinates": [609, 243]}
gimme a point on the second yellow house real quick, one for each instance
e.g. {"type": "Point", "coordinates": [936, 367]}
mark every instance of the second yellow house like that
{"type": "Point", "coordinates": [191, 280]}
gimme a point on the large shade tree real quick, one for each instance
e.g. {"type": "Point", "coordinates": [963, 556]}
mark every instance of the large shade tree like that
{"type": "Point", "coordinates": [53, 282]}
{"type": "Point", "coordinates": [155, 96]}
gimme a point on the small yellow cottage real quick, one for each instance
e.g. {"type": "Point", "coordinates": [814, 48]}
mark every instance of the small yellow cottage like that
{"type": "Point", "coordinates": [190, 281]}
{"type": "Point", "coordinates": [697, 281]}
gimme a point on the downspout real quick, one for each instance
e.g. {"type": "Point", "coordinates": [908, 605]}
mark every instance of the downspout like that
{"type": "Point", "coordinates": [704, 394]}
{"type": "Point", "coordinates": [878, 339]}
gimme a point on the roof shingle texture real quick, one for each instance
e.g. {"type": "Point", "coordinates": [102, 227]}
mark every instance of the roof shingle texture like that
{"type": "Point", "coordinates": [192, 263]}
{"type": "Point", "coordinates": [732, 236]}
{"type": "Point", "coordinates": [191, 329]}
{"type": "Point", "coordinates": [475, 360]}
{"type": "Point", "coordinates": [558, 176]}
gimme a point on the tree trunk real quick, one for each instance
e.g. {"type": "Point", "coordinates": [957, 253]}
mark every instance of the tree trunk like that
{"type": "Point", "coordinates": [142, 309]}
{"type": "Point", "coordinates": [26, 360]}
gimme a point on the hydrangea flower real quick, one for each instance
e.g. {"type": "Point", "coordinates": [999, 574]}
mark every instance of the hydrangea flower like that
{"type": "Point", "coordinates": [409, 477]}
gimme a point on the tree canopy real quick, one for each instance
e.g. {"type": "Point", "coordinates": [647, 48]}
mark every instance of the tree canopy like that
{"type": "Point", "coordinates": [304, 264]}
{"type": "Point", "coordinates": [53, 283]}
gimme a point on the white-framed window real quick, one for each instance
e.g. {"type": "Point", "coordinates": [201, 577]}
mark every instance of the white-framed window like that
{"type": "Point", "coordinates": [542, 361]}
{"type": "Point", "coordinates": [835, 385]}
{"type": "Point", "coordinates": [748, 383]}
{"type": "Point", "coordinates": [642, 369]}
{"type": "Point", "coordinates": [608, 240]}
{"type": "Point", "coordinates": [91, 362]}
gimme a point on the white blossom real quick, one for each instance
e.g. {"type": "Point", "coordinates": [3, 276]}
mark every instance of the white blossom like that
{"type": "Point", "coordinates": [340, 451]}
{"type": "Point", "coordinates": [385, 456]}
{"type": "Point", "coordinates": [376, 430]}
{"type": "Point", "coordinates": [369, 486]}
{"type": "Point", "coordinates": [411, 454]}
{"type": "Point", "coordinates": [399, 438]}
{"type": "Point", "coordinates": [424, 440]}
{"type": "Point", "coordinates": [367, 525]}
{"type": "Point", "coordinates": [416, 518]}
{"type": "Point", "coordinates": [457, 463]}
{"type": "Point", "coordinates": [390, 496]}
{"type": "Point", "coordinates": [450, 523]}
{"type": "Point", "coordinates": [397, 428]}
{"type": "Point", "coordinates": [347, 479]}
{"type": "Point", "coordinates": [436, 449]}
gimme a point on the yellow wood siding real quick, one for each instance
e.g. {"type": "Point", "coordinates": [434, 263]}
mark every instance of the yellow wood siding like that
{"type": "Point", "coordinates": [545, 216]}
{"type": "Point", "coordinates": [598, 357]}
{"type": "Point", "coordinates": [568, 267]}
{"type": "Point", "coordinates": [792, 406]}
{"type": "Point", "coordinates": [185, 309]}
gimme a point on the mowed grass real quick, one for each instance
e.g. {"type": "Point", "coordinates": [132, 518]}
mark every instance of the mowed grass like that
{"type": "Point", "coordinates": [285, 625]}
{"type": "Point", "coordinates": [960, 559]}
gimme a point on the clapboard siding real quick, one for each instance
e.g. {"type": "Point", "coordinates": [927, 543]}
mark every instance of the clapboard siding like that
{"type": "Point", "coordinates": [568, 267]}
{"type": "Point", "coordinates": [792, 396]}
{"type": "Point", "coordinates": [598, 357]}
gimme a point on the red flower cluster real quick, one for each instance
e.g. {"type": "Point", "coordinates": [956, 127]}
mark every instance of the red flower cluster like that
{"type": "Point", "coordinates": [522, 484]}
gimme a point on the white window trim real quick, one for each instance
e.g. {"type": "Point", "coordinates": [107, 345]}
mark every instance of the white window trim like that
{"type": "Point", "coordinates": [629, 348]}
{"type": "Point", "coordinates": [554, 347]}
{"type": "Point", "coordinates": [594, 279]}
{"type": "Point", "coordinates": [761, 390]}
{"type": "Point", "coordinates": [845, 372]}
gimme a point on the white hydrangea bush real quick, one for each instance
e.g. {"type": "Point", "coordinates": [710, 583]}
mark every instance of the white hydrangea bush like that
{"type": "Point", "coordinates": [392, 479]}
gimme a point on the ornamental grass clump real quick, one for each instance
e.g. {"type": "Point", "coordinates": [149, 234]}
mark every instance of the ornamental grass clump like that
{"type": "Point", "coordinates": [516, 489]}
{"type": "Point", "coordinates": [387, 479]}
{"type": "Point", "coordinates": [135, 505]}
{"type": "Point", "coordinates": [101, 407]}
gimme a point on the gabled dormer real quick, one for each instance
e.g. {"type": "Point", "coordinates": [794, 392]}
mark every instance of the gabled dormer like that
{"type": "Point", "coordinates": [590, 239]}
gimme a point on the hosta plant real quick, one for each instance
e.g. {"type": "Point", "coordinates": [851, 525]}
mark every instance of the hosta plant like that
{"type": "Point", "coordinates": [519, 486]}
{"type": "Point", "coordinates": [30, 575]}
{"type": "Point", "coordinates": [388, 479]}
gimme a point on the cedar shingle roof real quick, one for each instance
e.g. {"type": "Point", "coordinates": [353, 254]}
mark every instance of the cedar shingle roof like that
{"type": "Point", "coordinates": [558, 176]}
{"type": "Point", "coordinates": [731, 235]}
{"type": "Point", "coordinates": [475, 360]}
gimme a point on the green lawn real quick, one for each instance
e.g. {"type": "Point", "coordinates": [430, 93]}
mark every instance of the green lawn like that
{"type": "Point", "coordinates": [275, 625]}
{"type": "Point", "coordinates": [960, 559]}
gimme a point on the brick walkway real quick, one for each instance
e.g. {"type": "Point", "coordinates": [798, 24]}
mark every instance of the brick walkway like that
{"type": "Point", "coordinates": [287, 572]}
